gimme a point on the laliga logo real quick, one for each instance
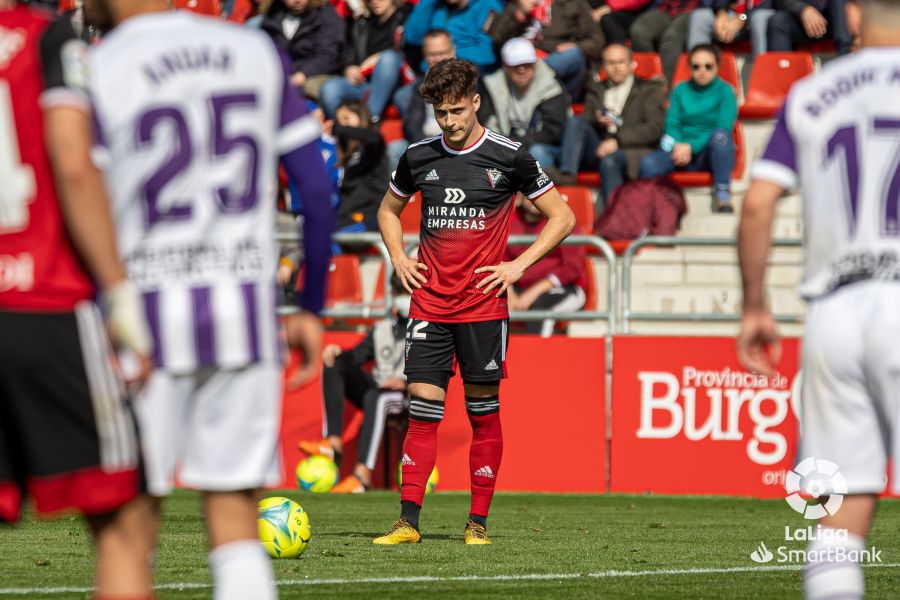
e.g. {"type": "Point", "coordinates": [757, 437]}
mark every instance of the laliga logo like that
{"type": "Point", "coordinates": [821, 479]}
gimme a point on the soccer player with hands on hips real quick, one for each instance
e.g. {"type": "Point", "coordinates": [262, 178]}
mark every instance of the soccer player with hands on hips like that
{"type": "Point", "coordinates": [468, 177]}
{"type": "Point", "coordinates": [837, 137]}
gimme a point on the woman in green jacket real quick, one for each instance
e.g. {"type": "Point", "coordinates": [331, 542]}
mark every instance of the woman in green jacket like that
{"type": "Point", "coordinates": [699, 125]}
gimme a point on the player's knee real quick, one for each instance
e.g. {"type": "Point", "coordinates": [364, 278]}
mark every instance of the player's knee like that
{"type": "Point", "coordinates": [430, 411]}
{"type": "Point", "coordinates": [481, 406]}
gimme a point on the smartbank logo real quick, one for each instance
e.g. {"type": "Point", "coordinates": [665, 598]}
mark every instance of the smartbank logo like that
{"type": "Point", "coordinates": [670, 407]}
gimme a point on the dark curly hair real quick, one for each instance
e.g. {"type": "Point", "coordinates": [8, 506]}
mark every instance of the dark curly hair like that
{"type": "Point", "coordinates": [449, 81]}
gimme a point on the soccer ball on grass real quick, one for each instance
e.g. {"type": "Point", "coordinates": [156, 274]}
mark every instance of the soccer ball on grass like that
{"type": "Point", "coordinates": [317, 474]}
{"type": "Point", "coordinates": [283, 527]}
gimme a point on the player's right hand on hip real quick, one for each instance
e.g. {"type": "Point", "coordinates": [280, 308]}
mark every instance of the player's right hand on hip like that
{"type": "Point", "coordinates": [128, 327]}
{"type": "Point", "coordinates": [407, 270]}
{"type": "Point", "coordinates": [759, 343]}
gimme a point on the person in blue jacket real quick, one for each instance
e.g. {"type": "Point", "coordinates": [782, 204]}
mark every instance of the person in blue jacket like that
{"type": "Point", "coordinates": [467, 21]}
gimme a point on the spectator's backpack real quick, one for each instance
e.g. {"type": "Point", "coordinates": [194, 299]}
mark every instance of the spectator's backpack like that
{"type": "Point", "coordinates": [644, 207]}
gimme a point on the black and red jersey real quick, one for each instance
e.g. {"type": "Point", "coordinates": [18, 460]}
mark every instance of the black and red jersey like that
{"type": "Point", "coordinates": [468, 197]}
{"type": "Point", "coordinates": [39, 270]}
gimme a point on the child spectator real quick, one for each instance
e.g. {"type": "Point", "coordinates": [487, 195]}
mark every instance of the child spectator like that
{"type": "Point", "coordinates": [361, 154]}
{"type": "Point", "coordinates": [555, 283]}
{"type": "Point", "coordinates": [372, 64]}
{"type": "Point", "coordinates": [699, 125]}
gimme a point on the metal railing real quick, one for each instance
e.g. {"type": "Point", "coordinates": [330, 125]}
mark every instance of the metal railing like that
{"type": "Point", "coordinates": [383, 308]}
{"type": "Point", "coordinates": [669, 242]}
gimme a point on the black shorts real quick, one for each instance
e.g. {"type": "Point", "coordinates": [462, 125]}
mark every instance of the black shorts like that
{"type": "Point", "coordinates": [67, 434]}
{"type": "Point", "coordinates": [433, 349]}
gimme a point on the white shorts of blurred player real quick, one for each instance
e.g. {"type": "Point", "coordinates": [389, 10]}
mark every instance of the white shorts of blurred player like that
{"type": "Point", "coordinates": [851, 384]}
{"type": "Point", "coordinates": [218, 428]}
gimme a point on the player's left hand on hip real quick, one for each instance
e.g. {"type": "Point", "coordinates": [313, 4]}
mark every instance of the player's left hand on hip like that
{"type": "Point", "coordinates": [759, 343]}
{"type": "Point", "coordinates": [501, 276]}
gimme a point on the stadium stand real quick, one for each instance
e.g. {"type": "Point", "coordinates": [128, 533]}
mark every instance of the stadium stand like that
{"type": "Point", "coordinates": [582, 204]}
{"type": "Point", "coordinates": [704, 178]}
{"type": "Point", "coordinates": [649, 66]}
{"type": "Point", "coordinates": [210, 8]}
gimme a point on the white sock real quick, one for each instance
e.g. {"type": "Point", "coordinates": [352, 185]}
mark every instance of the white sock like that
{"type": "Point", "coordinates": [829, 573]}
{"type": "Point", "coordinates": [242, 570]}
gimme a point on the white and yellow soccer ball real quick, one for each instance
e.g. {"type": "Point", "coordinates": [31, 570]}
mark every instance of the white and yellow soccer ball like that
{"type": "Point", "coordinates": [430, 485]}
{"type": "Point", "coordinates": [283, 527]}
{"type": "Point", "coordinates": [317, 474]}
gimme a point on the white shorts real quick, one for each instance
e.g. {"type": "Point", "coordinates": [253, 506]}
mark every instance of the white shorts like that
{"type": "Point", "coordinates": [851, 384]}
{"type": "Point", "coordinates": [220, 428]}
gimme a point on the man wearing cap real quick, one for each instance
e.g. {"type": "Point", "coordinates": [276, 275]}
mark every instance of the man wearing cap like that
{"type": "Point", "coordinates": [524, 102]}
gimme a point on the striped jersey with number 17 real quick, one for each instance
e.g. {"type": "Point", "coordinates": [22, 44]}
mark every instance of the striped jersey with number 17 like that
{"type": "Point", "coordinates": [192, 115]}
{"type": "Point", "coordinates": [838, 137]}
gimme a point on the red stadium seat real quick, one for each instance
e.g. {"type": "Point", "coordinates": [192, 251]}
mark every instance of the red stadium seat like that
{"type": "Point", "coordinates": [66, 5]}
{"type": "Point", "coordinates": [391, 112]}
{"type": "Point", "coordinates": [590, 285]}
{"type": "Point", "coordinates": [704, 178]}
{"type": "Point", "coordinates": [411, 217]}
{"type": "Point", "coordinates": [582, 204]}
{"type": "Point", "coordinates": [241, 10]}
{"type": "Point", "coordinates": [391, 130]}
{"type": "Point", "coordinates": [210, 8]}
{"type": "Point", "coordinates": [648, 66]}
{"type": "Point", "coordinates": [344, 281]}
{"type": "Point", "coordinates": [577, 108]}
{"type": "Point", "coordinates": [728, 71]}
{"type": "Point", "coordinates": [588, 179]}
{"type": "Point", "coordinates": [772, 77]}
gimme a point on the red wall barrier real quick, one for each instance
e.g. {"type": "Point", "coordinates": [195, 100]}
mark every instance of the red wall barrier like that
{"type": "Point", "coordinates": [554, 419]}
{"type": "Point", "coordinates": [686, 419]}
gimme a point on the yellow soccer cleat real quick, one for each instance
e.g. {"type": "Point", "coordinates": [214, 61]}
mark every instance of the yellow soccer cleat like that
{"type": "Point", "coordinates": [476, 534]}
{"type": "Point", "coordinates": [401, 533]}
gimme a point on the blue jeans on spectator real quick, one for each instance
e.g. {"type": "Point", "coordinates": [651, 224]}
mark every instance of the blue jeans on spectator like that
{"type": "Point", "coordinates": [402, 98]}
{"type": "Point", "coordinates": [545, 154]}
{"type": "Point", "coordinates": [395, 150]}
{"type": "Point", "coordinates": [718, 157]}
{"type": "Point", "coordinates": [380, 87]}
{"type": "Point", "coordinates": [579, 153]}
{"type": "Point", "coordinates": [571, 69]}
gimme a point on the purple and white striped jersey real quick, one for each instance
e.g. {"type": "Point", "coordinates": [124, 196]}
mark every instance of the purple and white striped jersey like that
{"type": "Point", "coordinates": [838, 137]}
{"type": "Point", "coordinates": [192, 115]}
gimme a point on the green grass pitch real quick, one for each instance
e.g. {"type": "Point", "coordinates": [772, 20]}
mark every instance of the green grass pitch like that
{"type": "Point", "coordinates": [573, 546]}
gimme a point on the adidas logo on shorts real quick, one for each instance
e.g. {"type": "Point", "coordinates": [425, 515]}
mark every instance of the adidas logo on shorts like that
{"type": "Point", "coordinates": [485, 471]}
{"type": "Point", "coordinates": [410, 462]}
{"type": "Point", "coordinates": [432, 175]}
{"type": "Point", "coordinates": [491, 366]}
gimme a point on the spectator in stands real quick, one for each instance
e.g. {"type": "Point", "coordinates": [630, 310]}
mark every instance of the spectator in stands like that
{"type": "Point", "coordinates": [361, 154]}
{"type": "Point", "coordinates": [616, 17]}
{"type": "Point", "coordinates": [622, 122]}
{"type": "Point", "coordinates": [566, 34]}
{"type": "Point", "coordinates": [524, 101]}
{"type": "Point", "coordinates": [467, 22]}
{"type": "Point", "coordinates": [418, 116]}
{"type": "Point", "coordinates": [798, 22]}
{"type": "Point", "coordinates": [329, 151]}
{"type": "Point", "coordinates": [664, 29]}
{"type": "Point", "coordinates": [372, 63]}
{"type": "Point", "coordinates": [727, 21]}
{"type": "Point", "coordinates": [699, 125]}
{"type": "Point", "coordinates": [313, 36]}
{"type": "Point", "coordinates": [378, 393]}
{"type": "Point", "coordinates": [555, 283]}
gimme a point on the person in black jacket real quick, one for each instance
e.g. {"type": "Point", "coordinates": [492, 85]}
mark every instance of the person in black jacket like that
{"type": "Point", "coordinates": [361, 154]}
{"type": "Point", "coordinates": [313, 36]}
{"type": "Point", "coordinates": [372, 63]}
{"type": "Point", "coordinates": [524, 102]}
{"type": "Point", "coordinates": [798, 22]}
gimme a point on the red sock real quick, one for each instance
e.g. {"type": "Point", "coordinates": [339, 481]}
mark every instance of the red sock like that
{"type": "Point", "coordinates": [485, 452]}
{"type": "Point", "coordinates": [420, 448]}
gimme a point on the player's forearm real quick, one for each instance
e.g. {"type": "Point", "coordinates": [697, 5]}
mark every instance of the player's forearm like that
{"type": "Point", "coordinates": [557, 229]}
{"type": "Point", "coordinates": [391, 228]}
{"type": "Point", "coordinates": [754, 237]}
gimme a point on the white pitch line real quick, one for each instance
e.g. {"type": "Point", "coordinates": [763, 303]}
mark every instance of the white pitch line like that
{"type": "Point", "coordinates": [437, 579]}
